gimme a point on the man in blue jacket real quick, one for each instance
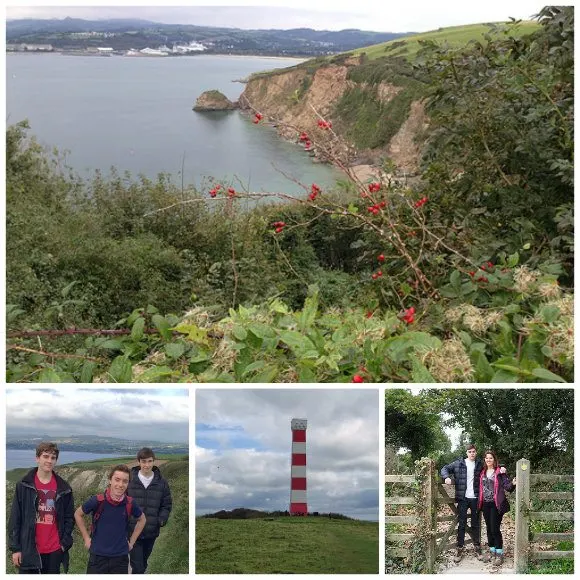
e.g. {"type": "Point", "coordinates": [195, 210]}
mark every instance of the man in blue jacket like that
{"type": "Point", "coordinates": [151, 491]}
{"type": "Point", "coordinates": [465, 471]}
{"type": "Point", "coordinates": [42, 517]}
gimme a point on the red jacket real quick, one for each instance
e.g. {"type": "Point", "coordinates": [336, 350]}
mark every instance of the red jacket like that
{"type": "Point", "coordinates": [501, 484]}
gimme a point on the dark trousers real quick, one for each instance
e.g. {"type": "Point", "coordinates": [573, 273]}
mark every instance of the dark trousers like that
{"type": "Point", "coordinates": [50, 564]}
{"type": "Point", "coordinates": [493, 523]}
{"type": "Point", "coordinates": [140, 554]}
{"type": "Point", "coordinates": [462, 507]}
{"type": "Point", "coordinates": [107, 565]}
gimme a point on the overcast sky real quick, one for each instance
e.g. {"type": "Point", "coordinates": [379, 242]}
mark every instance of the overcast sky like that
{"type": "Point", "coordinates": [141, 414]}
{"type": "Point", "coordinates": [243, 445]}
{"type": "Point", "coordinates": [411, 16]}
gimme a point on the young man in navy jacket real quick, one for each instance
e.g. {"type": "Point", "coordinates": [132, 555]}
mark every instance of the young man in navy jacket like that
{"type": "Point", "coordinates": [151, 491]}
{"type": "Point", "coordinates": [41, 520]}
{"type": "Point", "coordinates": [108, 544]}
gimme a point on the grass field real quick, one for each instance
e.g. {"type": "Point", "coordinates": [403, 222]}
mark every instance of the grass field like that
{"type": "Point", "coordinates": [454, 36]}
{"type": "Point", "coordinates": [313, 545]}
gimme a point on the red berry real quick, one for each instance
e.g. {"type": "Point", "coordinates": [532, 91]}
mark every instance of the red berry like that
{"type": "Point", "coordinates": [379, 273]}
{"type": "Point", "coordinates": [375, 276]}
{"type": "Point", "coordinates": [381, 257]}
{"type": "Point", "coordinates": [279, 229]}
{"type": "Point", "coordinates": [357, 379]}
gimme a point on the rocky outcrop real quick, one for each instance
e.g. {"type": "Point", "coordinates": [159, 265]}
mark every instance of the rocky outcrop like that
{"type": "Point", "coordinates": [213, 101]}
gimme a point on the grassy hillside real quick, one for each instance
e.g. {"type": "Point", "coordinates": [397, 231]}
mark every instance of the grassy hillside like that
{"type": "Point", "coordinates": [454, 36]}
{"type": "Point", "coordinates": [171, 552]}
{"type": "Point", "coordinates": [312, 545]}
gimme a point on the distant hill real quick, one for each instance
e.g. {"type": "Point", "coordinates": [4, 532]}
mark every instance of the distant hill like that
{"type": "Point", "coordinates": [171, 552]}
{"type": "Point", "coordinates": [122, 35]}
{"type": "Point", "coordinates": [93, 444]}
{"type": "Point", "coordinates": [286, 545]}
{"type": "Point", "coordinates": [33, 25]}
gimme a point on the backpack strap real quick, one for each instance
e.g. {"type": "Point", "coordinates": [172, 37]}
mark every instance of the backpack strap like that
{"type": "Point", "coordinates": [97, 513]}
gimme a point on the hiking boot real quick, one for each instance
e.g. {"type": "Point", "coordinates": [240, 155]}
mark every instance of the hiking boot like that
{"type": "Point", "coordinates": [458, 555]}
{"type": "Point", "coordinates": [478, 552]}
{"type": "Point", "coordinates": [498, 560]}
{"type": "Point", "coordinates": [486, 557]}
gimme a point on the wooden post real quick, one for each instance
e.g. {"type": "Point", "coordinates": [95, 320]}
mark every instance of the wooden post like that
{"type": "Point", "coordinates": [431, 517]}
{"type": "Point", "coordinates": [521, 549]}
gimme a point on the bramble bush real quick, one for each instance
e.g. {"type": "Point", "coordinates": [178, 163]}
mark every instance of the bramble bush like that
{"type": "Point", "coordinates": [463, 278]}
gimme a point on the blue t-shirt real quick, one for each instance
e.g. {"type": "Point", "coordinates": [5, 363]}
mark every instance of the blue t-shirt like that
{"type": "Point", "coordinates": [110, 535]}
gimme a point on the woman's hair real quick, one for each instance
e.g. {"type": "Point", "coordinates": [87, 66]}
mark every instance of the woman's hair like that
{"type": "Point", "coordinates": [122, 468]}
{"type": "Point", "coordinates": [492, 453]}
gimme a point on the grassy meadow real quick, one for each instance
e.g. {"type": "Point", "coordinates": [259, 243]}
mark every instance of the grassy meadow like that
{"type": "Point", "coordinates": [311, 545]}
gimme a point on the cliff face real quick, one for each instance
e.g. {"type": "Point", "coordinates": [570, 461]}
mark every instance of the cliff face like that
{"type": "Point", "coordinates": [296, 99]}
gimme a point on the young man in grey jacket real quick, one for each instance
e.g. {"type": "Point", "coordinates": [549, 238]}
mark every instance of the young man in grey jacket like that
{"type": "Point", "coordinates": [151, 492]}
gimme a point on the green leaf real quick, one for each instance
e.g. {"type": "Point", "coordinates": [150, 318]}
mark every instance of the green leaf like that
{"type": "Point", "coordinates": [121, 370]}
{"type": "Point", "coordinates": [162, 325]}
{"type": "Point", "coordinates": [547, 375]}
{"type": "Point", "coordinates": [255, 366]}
{"type": "Point", "coordinates": [513, 260]}
{"type": "Point", "coordinates": [134, 315]}
{"type": "Point", "coordinates": [296, 341]}
{"type": "Point", "coordinates": [111, 344]}
{"type": "Point", "coordinates": [174, 350]}
{"type": "Point", "coordinates": [239, 333]}
{"type": "Point", "coordinates": [549, 314]}
{"type": "Point", "coordinates": [419, 372]}
{"type": "Point", "coordinates": [502, 376]}
{"type": "Point", "coordinates": [156, 374]}
{"type": "Point", "coordinates": [308, 314]}
{"type": "Point", "coordinates": [138, 328]}
{"type": "Point", "coordinates": [194, 333]}
{"type": "Point", "coordinates": [455, 280]}
{"type": "Point", "coordinates": [88, 371]}
{"type": "Point", "coordinates": [266, 376]}
{"type": "Point", "coordinates": [49, 376]}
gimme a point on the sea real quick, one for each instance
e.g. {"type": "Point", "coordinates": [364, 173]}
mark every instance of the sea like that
{"type": "Point", "coordinates": [135, 113]}
{"type": "Point", "coordinates": [26, 457]}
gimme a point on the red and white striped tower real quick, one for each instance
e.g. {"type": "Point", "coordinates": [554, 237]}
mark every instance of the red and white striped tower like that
{"type": "Point", "coordinates": [298, 504]}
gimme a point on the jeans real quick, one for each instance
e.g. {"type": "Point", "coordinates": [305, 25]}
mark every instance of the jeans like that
{"type": "Point", "coordinates": [462, 507]}
{"type": "Point", "coordinates": [140, 554]}
{"type": "Point", "coordinates": [50, 564]}
{"type": "Point", "coordinates": [493, 522]}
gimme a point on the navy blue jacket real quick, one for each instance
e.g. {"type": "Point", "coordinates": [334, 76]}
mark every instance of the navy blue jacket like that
{"type": "Point", "coordinates": [458, 470]}
{"type": "Point", "coordinates": [22, 524]}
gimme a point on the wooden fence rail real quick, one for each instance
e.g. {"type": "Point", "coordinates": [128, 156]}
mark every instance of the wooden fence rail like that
{"type": "Point", "coordinates": [524, 515]}
{"type": "Point", "coordinates": [437, 495]}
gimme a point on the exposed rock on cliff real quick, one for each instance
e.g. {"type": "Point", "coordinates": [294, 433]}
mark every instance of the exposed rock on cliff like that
{"type": "Point", "coordinates": [296, 98]}
{"type": "Point", "coordinates": [213, 101]}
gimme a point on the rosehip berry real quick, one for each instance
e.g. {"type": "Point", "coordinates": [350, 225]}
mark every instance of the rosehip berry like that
{"type": "Point", "coordinates": [379, 273]}
{"type": "Point", "coordinates": [375, 276]}
{"type": "Point", "coordinates": [381, 257]}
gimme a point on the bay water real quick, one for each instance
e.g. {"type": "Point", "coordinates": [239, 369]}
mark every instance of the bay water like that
{"type": "Point", "coordinates": [26, 457]}
{"type": "Point", "coordinates": [135, 113]}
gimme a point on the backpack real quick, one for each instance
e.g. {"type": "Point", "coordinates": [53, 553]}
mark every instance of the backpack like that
{"type": "Point", "coordinates": [101, 506]}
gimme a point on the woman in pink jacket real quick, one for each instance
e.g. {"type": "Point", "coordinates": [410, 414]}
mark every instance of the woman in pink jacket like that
{"type": "Point", "coordinates": [492, 501]}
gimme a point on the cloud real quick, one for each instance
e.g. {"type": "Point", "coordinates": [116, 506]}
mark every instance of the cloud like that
{"type": "Point", "coordinates": [323, 15]}
{"type": "Point", "coordinates": [243, 442]}
{"type": "Point", "coordinates": [160, 415]}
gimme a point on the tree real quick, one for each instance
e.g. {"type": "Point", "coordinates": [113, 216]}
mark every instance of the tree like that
{"type": "Point", "coordinates": [536, 424]}
{"type": "Point", "coordinates": [411, 423]}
